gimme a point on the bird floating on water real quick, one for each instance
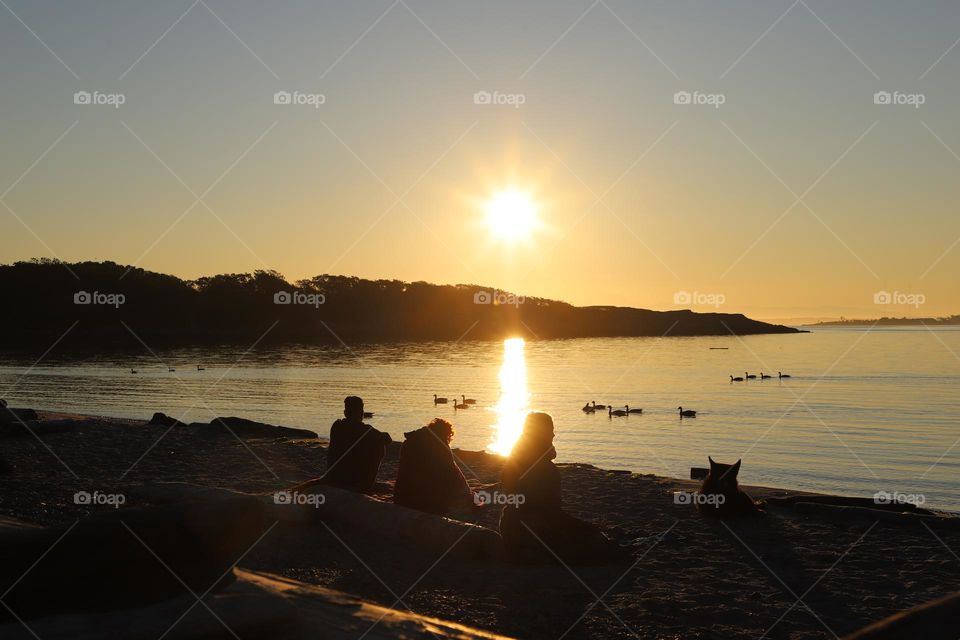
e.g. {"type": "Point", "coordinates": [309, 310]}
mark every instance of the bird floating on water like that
{"type": "Point", "coordinates": [467, 400]}
{"type": "Point", "coordinates": [782, 375]}
{"type": "Point", "coordinates": [629, 410]}
{"type": "Point", "coordinates": [618, 412]}
{"type": "Point", "coordinates": [437, 400]}
{"type": "Point", "coordinates": [688, 413]}
{"type": "Point", "coordinates": [737, 379]}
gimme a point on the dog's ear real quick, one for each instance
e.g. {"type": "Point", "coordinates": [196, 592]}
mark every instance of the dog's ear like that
{"type": "Point", "coordinates": [735, 469]}
{"type": "Point", "coordinates": [712, 463]}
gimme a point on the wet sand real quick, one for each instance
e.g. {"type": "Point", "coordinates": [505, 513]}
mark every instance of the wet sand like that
{"type": "Point", "coordinates": [692, 577]}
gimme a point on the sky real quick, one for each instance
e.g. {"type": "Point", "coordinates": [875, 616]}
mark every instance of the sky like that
{"type": "Point", "coordinates": [783, 159]}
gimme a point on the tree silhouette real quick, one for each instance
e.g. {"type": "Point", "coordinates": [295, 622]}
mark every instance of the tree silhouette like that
{"type": "Point", "coordinates": [164, 310]}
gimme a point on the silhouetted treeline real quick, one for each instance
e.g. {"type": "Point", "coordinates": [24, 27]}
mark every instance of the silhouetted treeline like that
{"type": "Point", "coordinates": [115, 305]}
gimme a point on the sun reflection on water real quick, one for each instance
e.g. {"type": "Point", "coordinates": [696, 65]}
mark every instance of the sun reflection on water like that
{"type": "Point", "coordinates": [511, 409]}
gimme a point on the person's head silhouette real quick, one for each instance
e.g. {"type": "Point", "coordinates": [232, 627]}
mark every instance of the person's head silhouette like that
{"type": "Point", "coordinates": [536, 441]}
{"type": "Point", "coordinates": [442, 429]}
{"type": "Point", "coordinates": [353, 408]}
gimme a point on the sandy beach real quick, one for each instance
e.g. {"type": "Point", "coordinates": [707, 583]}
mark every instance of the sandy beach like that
{"type": "Point", "coordinates": [802, 571]}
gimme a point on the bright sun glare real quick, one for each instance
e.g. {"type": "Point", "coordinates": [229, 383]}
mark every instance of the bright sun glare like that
{"type": "Point", "coordinates": [512, 407]}
{"type": "Point", "coordinates": [511, 215]}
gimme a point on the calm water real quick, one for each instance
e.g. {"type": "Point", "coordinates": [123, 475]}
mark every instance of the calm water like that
{"type": "Point", "coordinates": [864, 411]}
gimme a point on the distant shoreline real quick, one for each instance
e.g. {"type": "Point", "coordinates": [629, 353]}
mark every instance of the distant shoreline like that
{"type": "Point", "coordinates": [949, 321]}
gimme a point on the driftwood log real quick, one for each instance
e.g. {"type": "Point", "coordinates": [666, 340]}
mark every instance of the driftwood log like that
{"type": "Point", "coordinates": [126, 558]}
{"type": "Point", "coordinates": [845, 501]}
{"type": "Point", "coordinates": [936, 620]}
{"type": "Point", "coordinates": [463, 540]}
{"type": "Point", "coordinates": [866, 514]}
{"type": "Point", "coordinates": [255, 605]}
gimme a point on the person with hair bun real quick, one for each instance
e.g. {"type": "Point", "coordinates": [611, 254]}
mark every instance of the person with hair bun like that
{"type": "Point", "coordinates": [428, 478]}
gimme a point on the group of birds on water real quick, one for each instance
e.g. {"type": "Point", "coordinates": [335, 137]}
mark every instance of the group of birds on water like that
{"type": "Point", "coordinates": [593, 407]}
{"type": "Point", "coordinates": [465, 402]}
{"type": "Point", "coordinates": [590, 407]}
{"type": "Point", "coordinates": [763, 376]}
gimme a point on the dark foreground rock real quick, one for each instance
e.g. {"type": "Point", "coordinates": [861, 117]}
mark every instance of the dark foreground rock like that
{"type": "Point", "coordinates": [160, 419]}
{"type": "Point", "coordinates": [240, 427]}
{"type": "Point", "coordinates": [249, 429]}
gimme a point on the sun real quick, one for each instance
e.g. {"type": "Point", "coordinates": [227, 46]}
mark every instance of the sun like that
{"type": "Point", "coordinates": [511, 215]}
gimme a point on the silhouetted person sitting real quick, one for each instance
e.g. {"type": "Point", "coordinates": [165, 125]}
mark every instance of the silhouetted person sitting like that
{"type": "Point", "coordinates": [428, 477]}
{"type": "Point", "coordinates": [533, 524]}
{"type": "Point", "coordinates": [356, 450]}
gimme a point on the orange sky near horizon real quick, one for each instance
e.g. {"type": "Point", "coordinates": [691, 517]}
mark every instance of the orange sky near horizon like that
{"type": "Point", "coordinates": [726, 171]}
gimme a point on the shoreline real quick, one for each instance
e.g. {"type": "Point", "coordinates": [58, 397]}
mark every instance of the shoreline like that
{"type": "Point", "coordinates": [693, 576]}
{"type": "Point", "coordinates": [758, 492]}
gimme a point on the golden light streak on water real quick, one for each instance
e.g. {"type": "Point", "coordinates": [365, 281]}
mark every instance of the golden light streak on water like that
{"type": "Point", "coordinates": [514, 402]}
